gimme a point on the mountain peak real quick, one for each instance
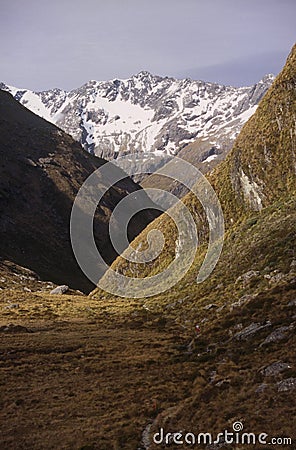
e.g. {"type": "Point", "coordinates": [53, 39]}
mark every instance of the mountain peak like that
{"type": "Point", "coordinates": [143, 74]}
{"type": "Point", "coordinates": [146, 112]}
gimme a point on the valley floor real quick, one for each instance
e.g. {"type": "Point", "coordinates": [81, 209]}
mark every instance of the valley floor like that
{"type": "Point", "coordinates": [78, 373]}
{"type": "Point", "coordinates": [83, 384]}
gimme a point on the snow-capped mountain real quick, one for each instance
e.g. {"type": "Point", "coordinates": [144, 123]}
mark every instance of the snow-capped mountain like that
{"type": "Point", "coordinates": [146, 112]}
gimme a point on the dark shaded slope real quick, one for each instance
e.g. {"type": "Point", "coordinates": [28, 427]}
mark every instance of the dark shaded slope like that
{"type": "Point", "coordinates": [42, 169]}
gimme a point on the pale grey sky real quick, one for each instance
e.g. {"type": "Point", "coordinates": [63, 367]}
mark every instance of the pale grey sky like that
{"type": "Point", "coordinates": [64, 43]}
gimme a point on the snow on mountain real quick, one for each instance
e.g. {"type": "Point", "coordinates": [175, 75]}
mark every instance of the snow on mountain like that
{"type": "Point", "coordinates": [146, 112]}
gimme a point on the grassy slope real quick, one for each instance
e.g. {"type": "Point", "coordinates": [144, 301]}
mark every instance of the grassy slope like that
{"type": "Point", "coordinates": [265, 149]}
{"type": "Point", "coordinates": [262, 240]}
{"type": "Point", "coordinates": [265, 152]}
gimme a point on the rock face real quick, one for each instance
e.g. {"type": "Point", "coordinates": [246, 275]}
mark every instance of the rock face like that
{"type": "Point", "coordinates": [42, 169]}
{"type": "Point", "coordinates": [148, 113]}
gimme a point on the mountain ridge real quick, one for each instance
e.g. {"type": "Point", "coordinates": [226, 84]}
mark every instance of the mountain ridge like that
{"type": "Point", "coordinates": [146, 112]}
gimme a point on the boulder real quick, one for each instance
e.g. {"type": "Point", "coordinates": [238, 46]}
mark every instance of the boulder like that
{"type": "Point", "coordinates": [292, 303]}
{"type": "Point", "coordinates": [277, 335]}
{"type": "Point", "coordinates": [252, 329]}
{"type": "Point", "coordinates": [242, 301]}
{"type": "Point", "coordinates": [286, 385]}
{"type": "Point", "coordinates": [246, 277]}
{"type": "Point", "coordinates": [275, 368]}
{"type": "Point", "coordinates": [59, 290]}
{"type": "Point", "coordinates": [261, 388]}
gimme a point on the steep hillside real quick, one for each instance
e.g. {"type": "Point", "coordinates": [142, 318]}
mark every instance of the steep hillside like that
{"type": "Point", "coordinates": [245, 352]}
{"type": "Point", "coordinates": [260, 169]}
{"type": "Point", "coordinates": [262, 166]}
{"type": "Point", "coordinates": [42, 169]}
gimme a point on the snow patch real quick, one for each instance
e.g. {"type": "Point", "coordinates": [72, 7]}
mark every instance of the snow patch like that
{"type": "Point", "coordinates": [210, 158]}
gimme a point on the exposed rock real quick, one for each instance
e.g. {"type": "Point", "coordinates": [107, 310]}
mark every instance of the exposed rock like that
{"type": "Point", "coordinates": [12, 306]}
{"type": "Point", "coordinates": [247, 277]}
{"type": "Point", "coordinates": [252, 192]}
{"type": "Point", "coordinates": [211, 306]}
{"type": "Point", "coordinates": [220, 308]}
{"type": "Point", "coordinates": [180, 109]}
{"type": "Point", "coordinates": [29, 162]}
{"type": "Point", "coordinates": [44, 161]}
{"type": "Point", "coordinates": [242, 301]}
{"type": "Point", "coordinates": [275, 276]}
{"type": "Point", "coordinates": [252, 329]}
{"type": "Point", "coordinates": [275, 368]}
{"type": "Point", "coordinates": [238, 326]}
{"type": "Point", "coordinates": [213, 376]}
{"type": "Point", "coordinates": [145, 442]}
{"type": "Point", "coordinates": [277, 335]}
{"type": "Point", "coordinates": [60, 289]}
{"type": "Point", "coordinates": [224, 382]}
{"type": "Point", "coordinates": [286, 385]}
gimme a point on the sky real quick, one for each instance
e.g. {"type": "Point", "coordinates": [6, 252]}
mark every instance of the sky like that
{"type": "Point", "coordinates": [65, 43]}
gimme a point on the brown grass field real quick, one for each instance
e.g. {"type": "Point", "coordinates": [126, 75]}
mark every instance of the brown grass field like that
{"type": "Point", "coordinates": [87, 383]}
